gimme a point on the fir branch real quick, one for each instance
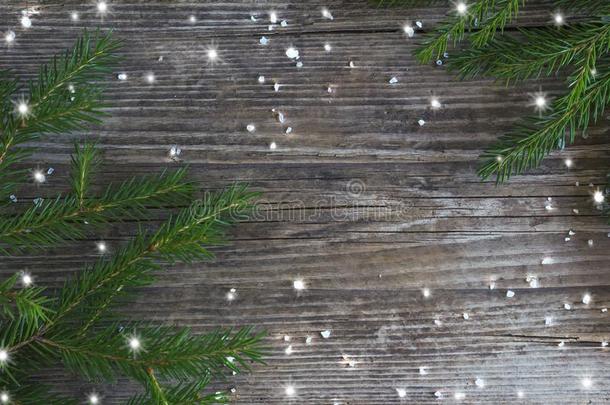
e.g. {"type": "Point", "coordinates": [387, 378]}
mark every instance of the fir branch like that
{"type": "Point", "coordinates": [54, 221]}
{"type": "Point", "coordinates": [538, 52]}
{"type": "Point", "coordinates": [54, 107]}
{"type": "Point", "coordinates": [182, 238]}
{"type": "Point", "coordinates": [156, 392]}
{"type": "Point", "coordinates": [173, 354]}
{"type": "Point", "coordinates": [183, 393]}
{"type": "Point", "coordinates": [85, 160]}
{"type": "Point", "coordinates": [505, 12]}
{"type": "Point", "coordinates": [8, 87]}
{"type": "Point", "coordinates": [27, 303]}
{"type": "Point", "coordinates": [452, 30]}
{"type": "Point", "coordinates": [530, 142]}
{"type": "Point", "coordinates": [35, 393]}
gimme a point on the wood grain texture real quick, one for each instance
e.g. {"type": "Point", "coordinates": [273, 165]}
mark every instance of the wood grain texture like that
{"type": "Point", "coordinates": [362, 203]}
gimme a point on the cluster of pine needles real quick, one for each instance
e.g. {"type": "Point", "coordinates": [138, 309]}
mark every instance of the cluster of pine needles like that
{"type": "Point", "coordinates": [83, 325]}
{"type": "Point", "coordinates": [574, 50]}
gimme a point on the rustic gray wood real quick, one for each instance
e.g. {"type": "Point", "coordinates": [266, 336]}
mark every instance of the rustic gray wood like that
{"type": "Point", "coordinates": [422, 219]}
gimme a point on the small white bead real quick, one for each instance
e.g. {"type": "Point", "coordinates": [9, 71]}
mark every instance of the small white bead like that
{"type": "Point", "coordinates": [292, 53]}
{"type": "Point", "coordinates": [408, 30]}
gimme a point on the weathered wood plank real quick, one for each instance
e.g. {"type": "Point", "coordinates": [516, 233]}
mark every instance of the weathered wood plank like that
{"type": "Point", "coordinates": [360, 201]}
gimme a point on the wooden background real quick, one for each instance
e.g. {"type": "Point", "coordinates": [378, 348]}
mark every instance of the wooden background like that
{"type": "Point", "coordinates": [360, 202]}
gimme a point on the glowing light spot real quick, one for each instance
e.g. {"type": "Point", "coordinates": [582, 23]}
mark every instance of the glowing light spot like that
{"type": "Point", "coordinates": [586, 382]}
{"type": "Point", "coordinates": [288, 350]}
{"type": "Point", "coordinates": [135, 344]}
{"type": "Point", "coordinates": [22, 108]}
{"type": "Point", "coordinates": [568, 162]}
{"type": "Point", "coordinates": [558, 18]}
{"type": "Point", "coordinates": [231, 294]}
{"type": "Point", "coordinates": [290, 391]}
{"type": "Point", "coordinates": [4, 397]}
{"type": "Point", "coordinates": [74, 16]}
{"type": "Point", "coordinates": [212, 54]}
{"type": "Point", "coordinates": [520, 394]}
{"type": "Point", "coordinates": [459, 396]}
{"type": "Point", "coordinates": [102, 7]}
{"type": "Point", "coordinates": [598, 197]}
{"type": "Point", "coordinates": [298, 284]}
{"type": "Point", "coordinates": [39, 176]}
{"type": "Point", "coordinates": [586, 299]}
{"type": "Point", "coordinates": [101, 247]}
{"type": "Point", "coordinates": [9, 37]}
{"type": "Point", "coordinates": [435, 103]}
{"type": "Point", "coordinates": [401, 392]}
{"type": "Point", "coordinates": [94, 399]}
{"type": "Point", "coordinates": [328, 47]}
{"type": "Point", "coordinates": [193, 19]}
{"type": "Point", "coordinates": [272, 146]}
{"type": "Point", "coordinates": [326, 14]}
{"type": "Point", "coordinates": [150, 78]}
{"type": "Point", "coordinates": [273, 17]}
{"type": "Point", "coordinates": [479, 382]}
{"type": "Point", "coordinates": [26, 279]}
{"type": "Point", "coordinates": [461, 8]}
{"type": "Point", "coordinates": [3, 356]}
{"type": "Point", "coordinates": [26, 22]}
